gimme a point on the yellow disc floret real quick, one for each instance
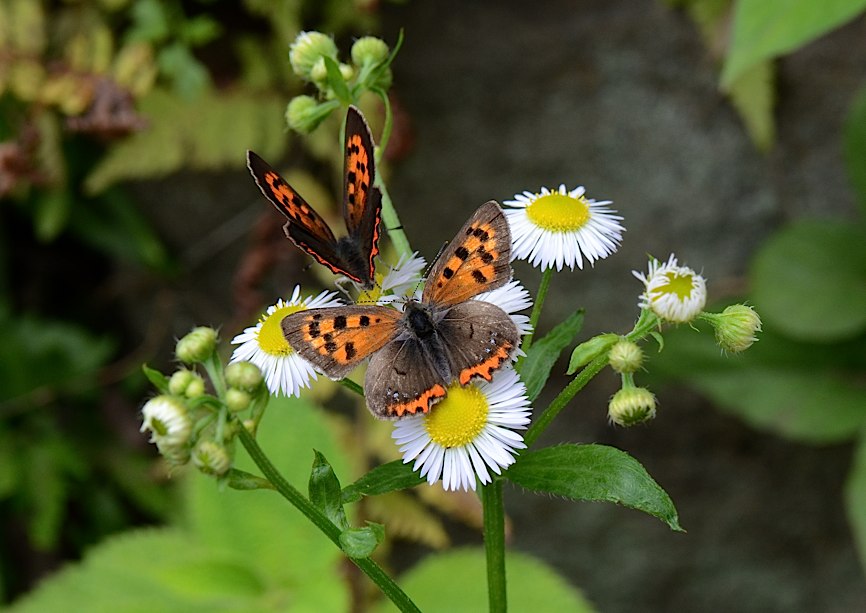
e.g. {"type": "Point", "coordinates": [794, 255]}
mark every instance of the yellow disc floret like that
{"type": "Point", "coordinates": [459, 418]}
{"type": "Point", "coordinates": [559, 212]}
{"type": "Point", "coordinates": [270, 335]}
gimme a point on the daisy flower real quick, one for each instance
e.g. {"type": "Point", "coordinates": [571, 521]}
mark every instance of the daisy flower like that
{"type": "Point", "coordinates": [265, 346]}
{"type": "Point", "coordinates": [562, 228]}
{"type": "Point", "coordinates": [469, 433]}
{"type": "Point", "coordinates": [673, 292]}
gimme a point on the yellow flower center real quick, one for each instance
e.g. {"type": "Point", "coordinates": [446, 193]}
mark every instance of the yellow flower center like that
{"type": "Point", "coordinates": [559, 212]}
{"type": "Point", "coordinates": [459, 418]}
{"type": "Point", "coordinates": [270, 336]}
{"type": "Point", "coordinates": [681, 285]}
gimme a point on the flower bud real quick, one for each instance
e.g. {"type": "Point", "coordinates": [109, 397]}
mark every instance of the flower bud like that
{"type": "Point", "coordinates": [369, 50]}
{"type": "Point", "coordinates": [237, 400]}
{"type": "Point", "coordinates": [631, 406]}
{"type": "Point", "coordinates": [197, 346]}
{"type": "Point", "coordinates": [308, 48]}
{"type": "Point", "coordinates": [211, 458]}
{"type": "Point", "coordinates": [735, 327]}
{"type": "Point", "coordinates": [625, 357]}
{"type": "Point", "coordinates": [304, 114]}
{"type": "Point", "coordinates": [244, 376]}
{"type": "Point", "coordinates": [675, 293]}
{"type": "Point", "coordinates": [168, 421]}
{"type": "Point", "coordinates": [187, 383]}
{"type": "Point", "coordinates": [347, 72]}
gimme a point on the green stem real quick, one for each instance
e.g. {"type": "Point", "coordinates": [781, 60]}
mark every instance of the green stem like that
{"type": "Point", "coordinates": [546, 276]}
{"type": "Point", "coordinates": [645, 324]}
{"type": "Point", "coordinates": [351, 385]}
{"type": "Point", "coordinates": [494, 545]}
{"type": "Point", "coordinates": [368, 566]}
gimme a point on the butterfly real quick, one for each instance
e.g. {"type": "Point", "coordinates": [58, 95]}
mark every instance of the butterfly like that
{"type": "Point", "coordinates": [350, 255]}
{"type": "Point", "coordinates": [445, 336]}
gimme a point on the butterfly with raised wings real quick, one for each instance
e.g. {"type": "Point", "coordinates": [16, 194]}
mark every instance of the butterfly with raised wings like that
{"type": "Point", "coordinates": [446, 336]}
{"type": "Point", "coordinates": [351, 255]}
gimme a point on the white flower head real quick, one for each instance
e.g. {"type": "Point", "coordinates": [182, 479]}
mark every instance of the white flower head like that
{"type": "Point", "coordinates": [562, 228]}
{"type": "Point", "coordinates": [469, 433]}
{"type": "Point", "coordinates": [404, 276]}
{"type": "Point", "coordinates": [168, 421]}
{"type": "Point", "coordinates": [673, 292]}
{"type": "Point", "coordinates": [264, 345]}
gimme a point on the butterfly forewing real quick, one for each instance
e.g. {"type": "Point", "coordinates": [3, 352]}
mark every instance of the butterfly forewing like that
{"type": "Point", "coordinates": [477, 260]}
{"type": "Point", "coordinates": [336, 339]}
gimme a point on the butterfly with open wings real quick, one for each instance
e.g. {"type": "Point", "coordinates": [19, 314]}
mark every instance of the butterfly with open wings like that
{"type": "Point", "coordinates": [350, 255]}
{"type": "Point", "coordinates": [416, 353]}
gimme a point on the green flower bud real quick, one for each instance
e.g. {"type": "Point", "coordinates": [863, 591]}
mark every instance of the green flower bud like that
{"type": "Point", "coordinates": [195, 389]}
{"type": "Point", "coordinates": [625, 357]}
{"type": "Point", "coordinates": [631, 406]}
{"type": "Point", "coordinates": [211, 458]}
{"type": "Point", "coordinates": [179, 381]}
{"type": "Point", "coordinates": [308, 48]}
{"type": "Point", "coordinates": [319, 73]}
{"type": "Point", "coordinates": [735, 327]}
{"type": "Point", "coordinates": [168, 421]}
{"type": "Point", "coordinates": [237, 400]}
{"type": "Point", "coordinates": [197, 346]}
{"type": "Point", "coordinates": [304, 114]}
{"type": "Point", "coordinates": [244, 376]}
{"type": "Point", "coordinates": [347, 71]}
{"type": "Point", "coordinates": [369, 50]}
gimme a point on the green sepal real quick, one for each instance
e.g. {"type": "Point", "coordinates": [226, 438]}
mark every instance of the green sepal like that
{"type": "Point", "coordinates": [324, 491]}
{"type": "Point", "coordinates": [157, 379]}
{"type": "Point", "coordinates": [535, 368]}
{"type": "Point", "coordinates": [242, 480]}
{"type": "Point", "coordinates": [595, 473]}
{"type": "Point", "coordinates": [383, 479]}
{"type": "Point", "coordinates": [587, 351]}
{"type": "Point", "coordinates": [657, 336]}
{"type": "Point", "coordinates": [361, 542]}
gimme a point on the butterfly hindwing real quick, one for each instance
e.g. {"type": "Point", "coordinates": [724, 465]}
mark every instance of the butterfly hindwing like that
{"type": "Point", "coordinates": [402, 381]}
{"type": "Point", "coordinates": [477, 260]}
{"type": "Point", "coordinates": [336, 339]}
{"type": "Point", "coordinates": [478, 338]}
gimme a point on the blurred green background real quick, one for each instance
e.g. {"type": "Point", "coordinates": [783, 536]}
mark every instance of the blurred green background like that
{"type": "Point", "coordinates": [730, 133]}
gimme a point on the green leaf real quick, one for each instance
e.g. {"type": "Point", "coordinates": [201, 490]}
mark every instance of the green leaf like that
{"type": "Point", "coordinates": [242, 480]}
{"type": "Point", "coordinates": [156, 378]}
{"type": "Point", "coordinates": [362, 542]}
{"type": "Point", "coordinates": [149, 21]}
{"type": "Point", "coordinates": [532, 585]}
{"type": "Point", "coordinates": [325, 491]}
{"type": "Point", "coordinates": [753, 94]}
{"type": "Point", "coordinates": [539, 361]}
{"type": "Point", "coordinates": [337, 82]}
{"type": "Point", "coordinates": [209, 133]}
{"type": "Point", "coordinates": [593, 473]}
{"type": "Point", "coordinates": [587, 351]}
{"type": "Point", "coordinates": [809, 280]}
{"type": "Point", "coordinates": [52, 213]}
{"type": "Point", "coordinates": [855, 146]}
{"type": "Point", "coordinates": [189, 76]}
{"type": "Point", "coordinates": [764, 29]}
{"type": "Point", "coordinates": [383, 479]}
{"type": "Point", "coordinates": [792, 389]}
{"type": "Point", "coordinates": [855, 499]}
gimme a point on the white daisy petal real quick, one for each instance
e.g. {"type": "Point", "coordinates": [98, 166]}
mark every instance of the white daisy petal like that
{"type": "Point", "coordinates": [675, 293]}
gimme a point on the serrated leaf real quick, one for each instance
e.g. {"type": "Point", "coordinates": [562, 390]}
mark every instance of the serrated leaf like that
{"type": "Point", "coordinates": [855, 146]}
{"type": "Point", "coordinates": [855, 499]}
{"type": "Point", "coordinates": [809, 280]}
{"type": "Point", "coordinates": [587, 351]}
{"type": "Point", "coordinates": [767, 28]}
{"type": "Point", "coordinates": [156, 378]}
{"type": "Point", "coordinates": [336, 81]}
{"type": "Point", "coordinates": [362, 542]}
{"type": "Point", "coordinates": [324, 488]}
{"type": "Point", "coordinates": [209, 133]}
{"type": "Point", "coordinates": [593, 473]}
{"type": "Point", "coordinates": [753, 94]}
{"type": "Point", "coordinates": [542, 355]}
{"type": "Point", "coordinates": [384, 478]}
{"type": "Point", "coordinates": [532, 585]}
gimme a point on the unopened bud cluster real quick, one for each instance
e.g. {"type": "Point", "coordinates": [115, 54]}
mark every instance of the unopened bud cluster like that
{"type": "Point", "coordinates": [314, 58]}
{"type": "Point", "coordinates": [189, 423]}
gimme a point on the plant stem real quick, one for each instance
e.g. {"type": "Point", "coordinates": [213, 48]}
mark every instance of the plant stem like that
{"type": "Point", "coordinates": [546, 276]}
{"type": "Point", "coordinates": [351, 385]}
{"type": "Point", "coordinates": [368, 566]}
{"type": "Point", "coordinates": [494, 545]}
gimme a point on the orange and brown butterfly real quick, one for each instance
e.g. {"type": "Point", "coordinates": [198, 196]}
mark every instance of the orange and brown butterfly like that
{"type": "Point", "coordinates": [351, 255]}
{"type": "Point", "coordinates": [441, 338]}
